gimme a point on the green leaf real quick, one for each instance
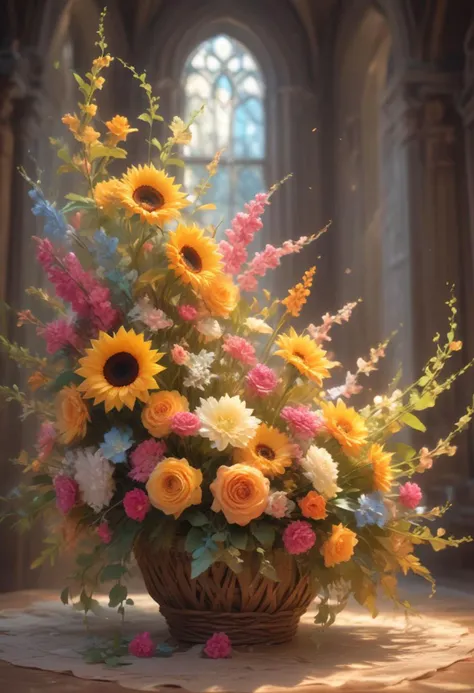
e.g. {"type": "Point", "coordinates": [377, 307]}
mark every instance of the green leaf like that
{"type": "Point", "coordinates": [82, 85]}
{"type": "Point", "coordinates": [264, 532]}
{"type": "Point", "coordinates": [201, 564]}
{"type": "Point", "coordinates": [268, 570]}
{"type": "Point", "coordinates": [145, 117]}
{"type": "Point", "coordinates": [85, 560]}
{"type": "Point", "coordinates": [117, 595]}
{"type": "Point", "coordinates": [404, 452]}
{"type": "Point", "coordinates": [238, 538]}
{"type": "Point", "coordinates": [425, 402]}
{"type": "Point", "coordinates": [94, 656]}
{"type": "Point", "coordinates": [413, 422]}
{"type": "Point", "coordinates": [194, 540]}
{"type": "Point", "coordinates": [63, 379]}
{"type": "Point", "coordinates": [345, 504]}
{"type": "Point", "coordinates": [114, 571]}
{"type": "Point", "coordinates": [87, 201]}
{"type": "Point", "coordinates": [175, 162]}
{"type": "Point", "coordinates": [129, 602]}
{"type": "Point", "coordinates": [219, 536]}
{"type": "Point", "coordinates": [42, 480]}
{"type": "Point", "coordinates": [65, 595]}
{"type": "Point", "coordinates": [196, 518]}
{"type": "Point", "coordinates": [100, 150]}
{"type": "Point", "coordinates": [156, 143]}
{"type": "Point", "coordinates": [64, 155]}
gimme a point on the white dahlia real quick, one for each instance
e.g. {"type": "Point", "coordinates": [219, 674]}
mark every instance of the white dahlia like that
{"type": "Point", "coordinates": [258, 325]}
{"type": "Point", "coordinates": [94, 474]}
{"type": "Point", "coordinates": [226, 421]}
{"type": "Point", "coordinates": [320, 468]}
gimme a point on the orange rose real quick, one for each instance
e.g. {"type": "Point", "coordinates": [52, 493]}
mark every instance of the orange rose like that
{"type": "Point", "coordinates": [160, 409]}
{"type": "Point", "coordinates": [220, 296]}
{"type": "Point", "coordinates": [313, 506]}
{"type": "Point", "coordinates": [174, 485]}
{"type": "Point", "coordinates": [241, 492]}
{"type": "Point", "coordinates": [72, 415]}
{"type": "Point", "coordinates": [119, 128]}
{"type": "Point", "coordinates": [339, 547]}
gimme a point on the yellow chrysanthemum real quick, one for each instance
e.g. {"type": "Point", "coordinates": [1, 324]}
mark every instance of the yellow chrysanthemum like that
{"type": "Point", "coordinates": [119, 369]}
{"type": "Point", "coordinates": [193, 257]}
{"type": "Point", "coordinates": [297, 296]}
{"type": "Point", "coordinates": [303, 353]}
{"type": "Point", "coordinates": [108, 194]}
{"type": "Point", "coordinates": [118, 128]}
{"type": "Point", "coordinates": [71, 415]}
{"type": "Point", "coordinates": [380, 461]}
{"type": "Point", "coordinates": [345, 425]}
{"type": "Point", "coordinates": [270, 451]}
{"type": "Point", "coordinates": [152, 194]}
{"type": "Point", "coordinates": [221, 296]}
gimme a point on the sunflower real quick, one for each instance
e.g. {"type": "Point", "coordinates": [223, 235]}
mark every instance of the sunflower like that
{"type": "Point", "coordinates": [193, 257]}
{"type": "Point", "coordinates": [119, 369]}
{"type": "Point", "coordinates": [303, 353]}
{"type": "Point", "coordinates": [270, 451]}
{"type": "Point", "coordinates": [151, 194]}
{"type": "Point", "coordinates": [108, 194]}
{"type": "Point", "coordinates": [380, 461]}
{"type": "Point", "coordinates": [345, 425]}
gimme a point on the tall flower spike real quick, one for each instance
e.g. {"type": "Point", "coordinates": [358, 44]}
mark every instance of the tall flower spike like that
{"type": "Point", "coordinates": [297, 296]}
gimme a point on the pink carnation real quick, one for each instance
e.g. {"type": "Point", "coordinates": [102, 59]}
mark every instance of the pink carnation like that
{"type": "Point", "coordinates": [261, 380]}
{"type": "Point", "coordinates": [187, 312]}
{"type": "Point", "coordinates": [218, 646]}
{"type": "Point", "coordinates": [46, 439]}
{"type": "Point", "coordinates": [240, 349]}
{"type": "Point", "coordinates": [66, 493]}
{"type": "Point", "coordinates": [299, 537]}
{"type": "Point", "coordinates": [410, 495]}
{"type": "Point", "coordinates": [184, 423]}
{"type": "Point", "coordinates": [142, 646]}
{"type": "Point", "coordinates": [59, 334]}
{"type": "Point", "coordinates": [104, 533]}
{"type": "Point", "coordinates": [302, 422]}
{"type": "Point", "coordinates": [179, 355]}
{"type": "Point", "coordinates": [136, 504]}
{"type": "Point", "coordinates": [145, 457]}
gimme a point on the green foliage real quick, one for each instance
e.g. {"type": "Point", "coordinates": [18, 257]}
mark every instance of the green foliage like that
{"type": "Point", "coordinates": [117, 595]}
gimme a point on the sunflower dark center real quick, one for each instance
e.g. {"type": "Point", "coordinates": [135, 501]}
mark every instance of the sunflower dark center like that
{"type": "Point", "coordinates": [191, 258]}
{"type": "Point", "coordinates": [265, 452]}
{"type": "Point", "coordinates": [149, 198]}
{"type": "Point", "coordinates": [121, 369]}
{"type": "Point", "coordinates": [300, 356]}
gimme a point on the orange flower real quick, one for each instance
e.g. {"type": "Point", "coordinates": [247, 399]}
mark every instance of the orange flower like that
{"type": "Point", "coordinates": [102, 61]}
{"type": "Point", "coordinates": [380, 461]}
{"type": "Point", "coordinates": [345, 425]}
{"type": "Point", "coordinates": [72, 415]}
{"type": "Point", "coordinates": [72, 121]}
{"type": "Point", "coordinates": [89, 109]}
{"type": "Point", "coordinates": [240, 492]}
{"type": "Point", "coordinates": [297, 296]}
{"type": "Point", "coordinates": [99, 82]}
{"type": "Point", "coordinates": [339, 547]}
{"type": "Point", "coordinates": [174, 485]}
{"type": "Point", "coordinates": [87, 135]}
{"type": "Point", "coordinates": [160, 409]}
{"type": "Point", "coordinates": [37, 380]}
{"type": "Point", "coordinates": [455, 346]}
{"type": "Point", "coordinates": [107, 194]}
{"type": "Point", "coordinates": [221, 296]}
{"type": "Point", "coordinates": [119, 128]}
{"type": "Point", "coordinates": [313, 506]}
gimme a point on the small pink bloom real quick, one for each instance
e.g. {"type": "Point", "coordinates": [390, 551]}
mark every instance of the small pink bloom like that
{"type": "Point", "coordinates": [179, 355]}
{"type": "Point", "coordinates": [184, 423]}
{"type": "Point", "coordinates": [156, 320]}
{"type": "Point", "coordinates": [142, 646]}
{"type": "Point", "coordinates": [240, 349]}
{"type": "Point", "coordinates": [261, 380]}
{"type": "Point", "coordinates": [299, 537]}
{"type": "Point", "coordinates": [302, 422]}
{"type": "Point", "coordinates": [218, 646]}
{"type": "Point", "coordinates": [46, 439]}
{"type": "Point", "coordinates": [187, 312]}
{"type": "Point", "coordinates": [279, 505]}
{"type": "Point", "coordinates": [145, 457]}
{"type": "Point", "coordinates": [75, 220]}
{"type": "Point", "coordinates": [147, 247]}
{"type": "Point", "coordinates": [136, 504]}
{"type": "Point", "coordinates": [66, 492]}
{"type": "Point", "coordinates": [410, 495]}
{"type": "Point", "coordinates": [59, 334]}
{"type": "Point", "coordinates": [104, 533]}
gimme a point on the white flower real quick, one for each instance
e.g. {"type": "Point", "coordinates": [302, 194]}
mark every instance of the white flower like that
{"type": "Point", "coordinates": [181, 134]}
{"type": "Point", "coordinates": [210, 328]}
{"type": "Point", "coordinates": [226, 421]}
{"type": "Point", "coordinates": [258, 325]}
{"type": "Point", "coordinates": [320, 468]}
{"type": "Point", "coordinates": [391, 403]}
{"type": "Point", "coordinates": [199, 372]}
{"type": "Point", "coordinates": [94, 474]}
{"type": "Point", "coordinates": [279, 505]}
{"type": "Point", "coordinates": [350, 387]}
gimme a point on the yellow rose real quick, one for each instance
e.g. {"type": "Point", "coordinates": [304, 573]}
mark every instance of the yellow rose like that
{"type": "Point", "coordinates": [160, 409]}
{"type": "Point", "coordinates": [339, 547]}
{"type": "Point", "coordinates": [241, 492]}
{"type": "Point", "coordinates": [88, 135]}
{"type": "Point", "coordinates": [174, 485]}
{"type": "Point", "coordinates": [220, 296]}
{"type": "Point", "coordinates": [72, 415]}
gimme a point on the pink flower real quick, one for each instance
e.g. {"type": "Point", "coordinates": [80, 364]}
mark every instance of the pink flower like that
{"type": "Point", "coordinates": [187, 312]}
{"type": "Point", "coordinates": [233, 256]}
{"type": "Point", "coordinates": [279, 505]}
{"type": "Point", "coordinates": [136, 504]}
{"type": "Point", "coordinates": [145, 457]}
{"type": "Point", "coordinates": [240, 349]}
{"type": "Point", "coordinates": [261, 380]}
{"type": "Point", "coordinates": [59, 334]}
{"type": "Point", "coordinates": [218, 646]}
{"type": "Point", "coordinates": [156, 320]}
{"type": "Point", "coordinates": [75, 220]}
{"type": "Point", "coordinates": [244, 227]}
{"type": "Point", "coordinates": [66, 492]}
{"type": "Point", "coordinates": [302, 422]}
{"type": "Point", "coordinates": [141, 646]}
{"type": "Point", "coordinates": [147, 247]}
{"type": "Point", "coordinates": [179, 355]}
{"type": "Point", "coordinates": [410, 495]}
{"type": "Point", "coordinates": [104, 533]}
{"type": "Point", "coordinates": [268, 259]}
{"type": "Point", "coordinates": [299, 537]}
{"type": "Point", "coordinates": [46, 439]}
{"type": "Point", "coordinates": [184, 423]}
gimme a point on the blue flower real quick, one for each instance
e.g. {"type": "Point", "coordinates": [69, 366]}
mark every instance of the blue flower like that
{"type": "Point", "coordinates": [105, 247]}
{"type": "Point", "coordinates": [54, 222]}
{"type": "Point", "coordinates": [372, 510]}
{"type": "Point", "coordinates": [116, 443]}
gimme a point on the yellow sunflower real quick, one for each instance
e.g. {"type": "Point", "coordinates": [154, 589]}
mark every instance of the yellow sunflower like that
{"type": "Point", "coordinates": [270, 451]}
{"type": "Point", "coordinates": [303, 353]}
{"type": "Point", "coordinates": [151, 194]}
{"type": "Point", "coordinates": [108, 194]}
{"type": "Point", "coordinates": [119, 369]}
{"type": "Point", "coordinates": [193, 257]}
{"type": "Point", "coordinates": [380, 461]}
{"type": "Point", "coordinates": [345, 425]}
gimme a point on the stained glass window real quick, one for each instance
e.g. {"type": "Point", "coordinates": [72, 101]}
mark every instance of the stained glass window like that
{"type": "Point", "coordinates": [224, 76]}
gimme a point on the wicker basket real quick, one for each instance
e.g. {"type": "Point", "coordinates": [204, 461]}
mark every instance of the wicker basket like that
{"type": "Point", "coordinates": [249, 607]}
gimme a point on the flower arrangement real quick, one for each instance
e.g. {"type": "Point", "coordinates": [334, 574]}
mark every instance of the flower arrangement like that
{"type": "Point", "coordinates": [179, 403]}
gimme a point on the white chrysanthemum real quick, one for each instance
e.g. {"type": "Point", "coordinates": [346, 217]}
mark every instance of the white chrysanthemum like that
{"type": "Point", "coordinates": [226, 421]}
{"type": "Point", "coordinates": [210, 328]}
{"type": "Point", "coordinates": [258, 325]}
{"type": "Point", "coordinates": [94, 474]}
{"type": "Point", "coordinates": [199, 369]}
{"type": "Point", "coordinates": [320, 468]}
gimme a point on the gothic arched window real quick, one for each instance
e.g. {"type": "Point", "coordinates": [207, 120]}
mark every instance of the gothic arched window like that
{"type": "Point", "coordinates": [224, 76]}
